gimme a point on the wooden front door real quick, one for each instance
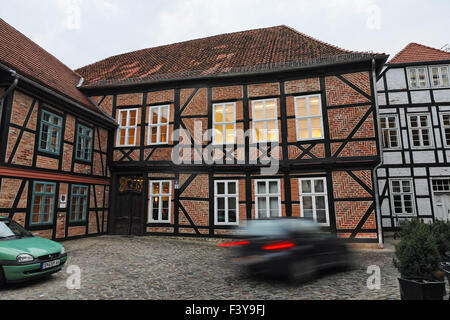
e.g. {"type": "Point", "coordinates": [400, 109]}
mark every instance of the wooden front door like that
{"type": "Point", "coordinates": [442, 206]}
{"type": "Point", "coordinates": [129, 209]}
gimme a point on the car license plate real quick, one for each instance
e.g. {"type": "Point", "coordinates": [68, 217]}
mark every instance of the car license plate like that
{"type": "Point", "coordinates": [50, 264]}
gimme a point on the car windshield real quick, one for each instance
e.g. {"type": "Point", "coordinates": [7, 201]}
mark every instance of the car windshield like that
{"type": "Point", "coordinates": [281, 227]}
{"type": "Point", "coordinates": [12, 230]}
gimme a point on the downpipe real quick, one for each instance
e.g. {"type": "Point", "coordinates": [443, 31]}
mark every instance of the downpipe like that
{"type": "Point", "coordinates": [8, 91]}
{"type": "Point", "coordinates": [375, 174]}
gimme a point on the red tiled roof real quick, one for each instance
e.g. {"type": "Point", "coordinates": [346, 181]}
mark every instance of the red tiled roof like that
{"type": "Point", "coordinates": [31, 61]}
{"type": "Point", "coordinates": [415, 52]}
{"type": "Point", "coordinates": [257, 50]}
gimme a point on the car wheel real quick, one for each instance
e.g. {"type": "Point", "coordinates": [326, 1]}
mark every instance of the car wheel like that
{"type": "Point", "coordinates": [2, 278]}
{"type": "Point", "coordinates": [302, 271]}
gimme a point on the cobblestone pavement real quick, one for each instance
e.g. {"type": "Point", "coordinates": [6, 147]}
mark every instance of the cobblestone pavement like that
{"type": "Point", "coordinates": [183, 269]}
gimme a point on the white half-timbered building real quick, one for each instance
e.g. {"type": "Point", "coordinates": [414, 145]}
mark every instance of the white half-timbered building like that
{"type": "Point", "coordinates": [414, 101]}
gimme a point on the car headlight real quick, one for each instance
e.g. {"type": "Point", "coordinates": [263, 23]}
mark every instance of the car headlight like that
{"type": "Point", "coordinates": [21, 258]}
{"type": "Point", "coordinates": [63, 250]}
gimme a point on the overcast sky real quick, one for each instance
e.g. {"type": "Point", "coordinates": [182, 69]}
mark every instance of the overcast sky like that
{"type": "Point", "coordinates": [80, 32]}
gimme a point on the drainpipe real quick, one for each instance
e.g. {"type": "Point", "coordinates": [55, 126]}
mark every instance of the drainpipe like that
{"type": "Point", "coordinates": [375, 174]}
{"type": "Point", "coordinates": [8, 91]}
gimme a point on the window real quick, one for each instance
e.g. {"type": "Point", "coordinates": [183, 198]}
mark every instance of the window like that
{"type": "Point", "coordinates": [402, 196]}
{"type": "Point", "coordinates": [440, 185]}
{"type": "Point", "coordinates": [308, 114]}
{"type": "Point", "coordinates": [420, 131]}
{"type": "Point", "coordinates": [265, 121]}
{"type": "Point", "coordinates": [224, 123]}
{"type": "Point", "coordinates": [84, 143]}
{"type": "Point", "coordinates": [43, 203]}
{"type": "Point", "coordinates": [50, 133]}
{"type": "Point", "coordinates": [314, 200]}
{"type": "Point", "coordinates": [79, 203]}
{"type": "Point", "coordinates": [390, 132]}
{"type": "Point", "coordinates": [445, 124]}
{"type": "Point", "coordinates": [418, 78]}
{"type": "Point", "coordinates": [439, 76]}
{"type": "Point", "coordinates": [226, 197]}
{"type": "Point", "coordinates": [159, 125]}
{"type": "Point", "coordinates": [127, 128]}
{"type": "Point", "coordinates": [160, 201]}
{"type": "Point", "coordinates": [268, 199]}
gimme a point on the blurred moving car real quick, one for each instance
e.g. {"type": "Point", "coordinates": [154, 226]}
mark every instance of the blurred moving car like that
{"type": "Point", "coordinates": [294, 248]}
{"type": "Point", "coordinates": [24, 257]}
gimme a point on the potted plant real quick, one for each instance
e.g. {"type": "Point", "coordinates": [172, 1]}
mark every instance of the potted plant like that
{"type": "Point", "coordinates": [441, 231]}
{"type": "Point", "coordinates": [417, 259]}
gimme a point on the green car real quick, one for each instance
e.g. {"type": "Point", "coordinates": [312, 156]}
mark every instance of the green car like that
{"type": "Point", "coordinates": [24, 257]}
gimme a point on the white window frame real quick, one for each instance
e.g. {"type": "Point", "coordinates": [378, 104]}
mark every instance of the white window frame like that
{"type": "Point", "coordinates": [402, 194]}
{"type": "Point", "coordinates": [427, 80]}
{"type": "Point", "coordinates": [309, 117]}
{"type": "Point", "coordinates": [226, 196]}
{"type": "Point", "coordinates": [429, 128]}
{"type": "Point", "coordinates": [441, 85]}
{"type": "Point", "coordinates": [267, 196]}
{"type": "Point", "coordinates": [224, 123]}
{"type": "Point", "coordinates": [397, 129]}
{"type": "Point", "coordinates": [265, 120]}
{"type": "Point", "coordinates": [160, 195]}
{"type": "Point", "coordinates": [441, 119]}
{"type": "Point", "coordinates": [158, 125]}
{"type": "Point", "coordinates": [313, 194]}
{"type": "Point", "coordinates": [127, 127]}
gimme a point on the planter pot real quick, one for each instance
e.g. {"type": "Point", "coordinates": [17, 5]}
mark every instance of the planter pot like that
{"type": "Point", "coordinates": [411, 289]}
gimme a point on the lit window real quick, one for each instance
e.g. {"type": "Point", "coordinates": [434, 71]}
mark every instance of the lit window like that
{"type": "Point", "coordinates": [43, 203]}
{"type": "Point", "coordinates": [402, 197]}
{"type": "Point", "coordinates": [420, 131]}
{"type": "Point", "coordinates": [84, 143]}
{"type": "Point", "coordinates": [160, 201]}
{"type": "Point", "coordinates": [308, 113]}
{"type": "Point", "coordinates": [224, 123]}
{"type": "Point", "coordinates": [159, 125]}
{"type": "Point", "coordinates": [439, 76]}
{"type": "Point", "coordinates": [226, 197]}
{"type": "Point", "coordinates": [390, 132]}
{"type": "Point", "coordinates": [50, 133]}
{"type": "Point", "coordinates": [268, 199]}
{"type": "Point", "coordinates": [79, 203]}
{"type": "Point", "coordinates": [418, 78]}
{"type": "Point", "coordinates": [314, 200]}
{"type": "Point", "coordinates": [445, 123]}
{"type": "Point", "coordinates": [265, 121]}
{"type": "Point", "coordinates": [127, 131]}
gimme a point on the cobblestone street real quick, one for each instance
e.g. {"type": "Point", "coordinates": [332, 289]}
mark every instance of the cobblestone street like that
{"type": "Point", "coordinates": [184, 269]}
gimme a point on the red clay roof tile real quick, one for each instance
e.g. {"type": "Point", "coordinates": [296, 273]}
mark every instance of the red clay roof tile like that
{"type": "Point", "coordinates": [415, 52]}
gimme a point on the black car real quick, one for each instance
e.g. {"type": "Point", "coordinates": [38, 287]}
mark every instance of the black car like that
{"type": "Point", "coordinates": [296, 249]}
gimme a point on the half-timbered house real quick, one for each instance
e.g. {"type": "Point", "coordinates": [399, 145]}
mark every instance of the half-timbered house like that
{"type": "Point", "coordinates": [54, 172]}
{"type": "Point", "coordinates": [414, 98]}
{"type": "Point", "coordinates": [199, 120]}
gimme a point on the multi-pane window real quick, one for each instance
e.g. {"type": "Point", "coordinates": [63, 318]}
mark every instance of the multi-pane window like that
{"type": "Point", "coordinates": [226, 197]}
{"type": "Point", "coordinates": [439, 76]}
{"type": "Point", "coordinates": [420, 130]}
{"type": "Point", "coordinates": [43, 203]}
{"type": "Point", "coordinates": [268, 199]}
{"type": "Point", "coordinates": [50, 133]}
{"type": "Point", "coordinates": [445, 124]}
{"type": "Point", "coordinates": [308, 113]}
{"type": "Point", "coordinates": [390, 132]}
{"type": "Point", "coordinates": [265, 121]}
{"type": "Point", "coordinates": [441, 185]}
{"type": "Point", "coordinates": [127, 131]}
{"type": "Point", "coordinates": [160, 201]}
{"type": "Point", "coordinates": [224, 123]}
{"type": "Point", "coordinates": [159, 125]}
{"type": "Point", "coordinates": [79, 203]}
{"type": "Point", "coordinates": [418, 78]}
{"type": "Point", "coordinates": [314, 200]}
{"type": "Point", "coordinates": [402, 197]}
{"type": "Point", "coordinates": [84, 143]}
